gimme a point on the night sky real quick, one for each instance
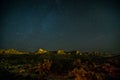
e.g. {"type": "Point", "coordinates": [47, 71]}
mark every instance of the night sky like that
{"type": "Point", "coordinates": [85, 25]}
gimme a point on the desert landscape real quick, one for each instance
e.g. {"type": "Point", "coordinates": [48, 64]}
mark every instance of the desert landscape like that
{"type": "Point", "coordinates": [58, 65]}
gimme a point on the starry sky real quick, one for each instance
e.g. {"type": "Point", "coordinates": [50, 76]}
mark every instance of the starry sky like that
{"type": "Point", "coordinates": [85, 25]}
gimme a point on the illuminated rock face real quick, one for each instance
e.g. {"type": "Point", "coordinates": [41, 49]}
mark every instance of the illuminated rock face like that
{"type": "Point", "coordinates": [41, 51]}
{"type": "Point", "coordinates": [60, 52]}
{"type": "Point", "coordinates": [13, 51]}
{"type": "Point", "coordinates": [77, 52]}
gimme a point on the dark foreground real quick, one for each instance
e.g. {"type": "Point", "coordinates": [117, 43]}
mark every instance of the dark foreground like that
{"type": "Point", "coordinates": [58, 67]}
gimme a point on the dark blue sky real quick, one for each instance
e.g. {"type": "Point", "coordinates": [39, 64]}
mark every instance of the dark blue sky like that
{"type": "Point", "coordinates": [86, 25]}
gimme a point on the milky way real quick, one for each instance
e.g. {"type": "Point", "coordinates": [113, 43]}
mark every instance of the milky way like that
{"type": "Point", "coordinates": [86, 25]}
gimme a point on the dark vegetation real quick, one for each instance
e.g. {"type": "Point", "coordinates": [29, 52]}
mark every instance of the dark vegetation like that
{"type": "Point", "coordinates": [52, 66]}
